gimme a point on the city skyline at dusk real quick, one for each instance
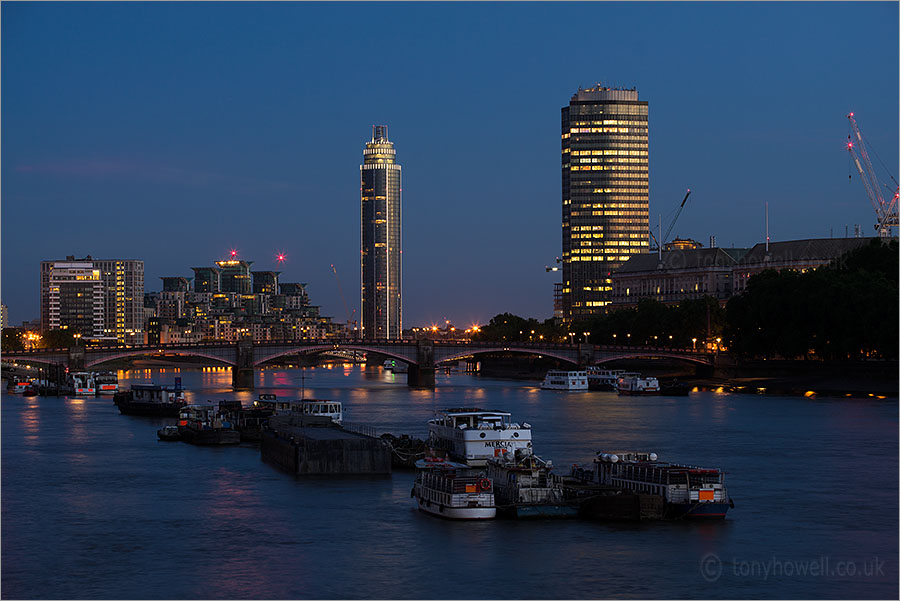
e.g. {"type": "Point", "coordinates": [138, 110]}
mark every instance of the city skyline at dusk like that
{"type": "Point", "coordinates": [173, 133]}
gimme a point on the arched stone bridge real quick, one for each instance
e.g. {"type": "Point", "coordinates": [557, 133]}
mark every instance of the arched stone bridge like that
{"type": "Point", "coordinates": [421, 355]}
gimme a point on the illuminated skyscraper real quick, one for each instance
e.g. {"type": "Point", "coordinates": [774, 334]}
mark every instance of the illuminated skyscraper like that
{"type": "Point", "coordinates": [605, 193]}
{"type": "Point", "coordinates": [380, 239]}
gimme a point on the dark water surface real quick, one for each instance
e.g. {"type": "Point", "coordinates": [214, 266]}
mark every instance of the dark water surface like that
{"type": "Point", "coordinates": [93, 506]}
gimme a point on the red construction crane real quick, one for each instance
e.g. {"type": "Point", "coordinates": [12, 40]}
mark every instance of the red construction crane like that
{"type": "Point", "coordinates": [885, 212]}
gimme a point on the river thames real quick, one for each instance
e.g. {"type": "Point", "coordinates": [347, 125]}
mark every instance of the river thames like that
{"type": "Point", "coordinates": [95, 507]}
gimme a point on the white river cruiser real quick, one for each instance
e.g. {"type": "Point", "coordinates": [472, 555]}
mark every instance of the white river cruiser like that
{"type": "Point", "coordinates": [473, 435]}
{"type": "Point", "coordinates": [107, 382]}
{"type": "Point", "coordinates": [565, 380]}
{"type": "Point", "coordinates": [453, 490]}
{"type": "Point", "coordinates": [603, 379]}
{"type": "Point", "coordinates": [633, 384]}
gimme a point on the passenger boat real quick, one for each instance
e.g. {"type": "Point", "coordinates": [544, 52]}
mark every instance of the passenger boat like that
{"type": "Point", "coordinates": [473, 436]}
{"type": "Point", "coordinates": [526, 487]}
{"type": "Point", "coordinates": [633, 384]}
{"type": "Point", "coordinates": [603, 379]}
{"type": "Point", "coordinates": [565, 380]}
{"type": "Point", "coordinates": [83, 382]}
{"type": "Point", "coordinates": [687, 491]}
{"type": "Point", "coordinates": [107, 382]}
{"type": "Point", "coordinates": [204, 425]}
{"type": "Point", "coordinates": [155, 400]}
{"type": "Point", "coordinates": [19, 385]}
{"type": "Point", "coordinates": [453, 490]}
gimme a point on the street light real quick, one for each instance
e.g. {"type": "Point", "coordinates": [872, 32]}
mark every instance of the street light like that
{"type": "Point", "coordinates": [694, 340]}
{"type": "Point", "coordinates": [586, 335]}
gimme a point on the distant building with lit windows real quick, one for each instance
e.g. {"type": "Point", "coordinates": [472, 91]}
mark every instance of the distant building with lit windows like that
{"type": "Point", "coordinates": [381, 267]}
{"type": "Point", "coordinates": [605, 193]}
{"type": "Point", "coordinates": [206, 279]}
{"type": "Point", "coordinates": [101, 299]}
{"type": "Point", "coordinates": [234, 276]}
{"type": "Point", "coordinates": [265, 282]}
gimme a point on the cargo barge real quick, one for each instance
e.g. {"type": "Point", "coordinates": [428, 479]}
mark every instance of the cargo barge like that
{"type": "Point", "coordinates": [684, 491]}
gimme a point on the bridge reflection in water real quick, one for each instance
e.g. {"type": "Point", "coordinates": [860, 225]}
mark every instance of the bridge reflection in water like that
{"type": "Point", "coordinates": [422, 356]}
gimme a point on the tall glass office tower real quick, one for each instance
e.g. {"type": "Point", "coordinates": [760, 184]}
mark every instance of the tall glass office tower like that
{"type": "Point", "coordinates": [382, 313]}
{"type": "Point", "coordinates": [605, 193]}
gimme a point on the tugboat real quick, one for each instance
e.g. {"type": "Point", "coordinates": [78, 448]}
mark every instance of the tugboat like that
{"type": "Point", "coordinates": [686, 491]}
{"type": "Point", "coordinates": [526, 487]}
{"type": "Point", "coordinates": [453, 490]}
{"type": "Point", "coordinates": [154, 400]}
{"type": "Point", "coordinates": [473, 436]}
{"type": "Point", "coordinates": [203, 425]}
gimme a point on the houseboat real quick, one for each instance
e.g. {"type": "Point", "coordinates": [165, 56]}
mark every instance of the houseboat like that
{"type": "Point", "coordinates": [603, 379]}
{"type": "Point", "coordinates": [83, 382]}
{"type": "Point", "coordinates": [453, 490]}
{"type": "Point", "coordinates": [154, 400]}
{"type": "Point", "coordinates": [526, 487]}
{"type": "Point", "coordinates": [565, 380]}
{"type": "Point", "coordinates": [107, 382]}
{"type": "Point", "coordinates": [204, 425]}
{"type": "Point", "coordinates": [473, 436]}
{"type": "Point", "coordinates": [631, 383]}
{"type": "Point", "coordinates": [687, 491]}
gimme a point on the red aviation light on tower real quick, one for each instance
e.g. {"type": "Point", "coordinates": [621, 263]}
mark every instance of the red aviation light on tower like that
{"type": "Point", "coordinates": [233, 253]}
{"type": "Point", "coordinates": [280, 257]}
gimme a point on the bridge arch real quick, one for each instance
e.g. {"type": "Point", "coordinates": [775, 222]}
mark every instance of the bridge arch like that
{"type": "Point", "coordinates": [156, 353]}
{"type": "Point", "coordinates": [324, 348]}
{"type": "Point", "coordinates": [510, 349]}
{"type": "Point", "coordinates": [701, 360]}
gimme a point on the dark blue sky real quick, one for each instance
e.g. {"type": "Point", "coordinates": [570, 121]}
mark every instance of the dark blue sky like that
{"type": "Point", "coordinates": [172, 132]}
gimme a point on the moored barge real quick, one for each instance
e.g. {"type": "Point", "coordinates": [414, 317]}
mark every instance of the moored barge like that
{"type": "Point", "coordinates": [152, 400]}
{"type": "Point", "coordinates": [686, 491]}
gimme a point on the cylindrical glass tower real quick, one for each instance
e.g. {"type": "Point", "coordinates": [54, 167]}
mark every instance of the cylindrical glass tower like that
{"type": "Point", "coordinates": [382, 315]}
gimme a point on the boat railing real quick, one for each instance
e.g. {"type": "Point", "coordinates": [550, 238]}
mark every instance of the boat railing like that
{"type": "Point", "coordinates": [363, 429]}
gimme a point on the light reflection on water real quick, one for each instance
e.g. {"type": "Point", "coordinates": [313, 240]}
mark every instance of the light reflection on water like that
{"type": "Point", "coordinates": [97, 496]}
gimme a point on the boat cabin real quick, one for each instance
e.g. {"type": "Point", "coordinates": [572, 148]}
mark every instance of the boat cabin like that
{"type": "Point", "coordinates": [319, 407]}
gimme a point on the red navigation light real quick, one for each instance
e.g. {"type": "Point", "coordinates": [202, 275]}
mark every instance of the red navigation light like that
{"type": "Point", "coordinates": [850, 115]}
{"type": "Point", "coordinates": [849, 145]}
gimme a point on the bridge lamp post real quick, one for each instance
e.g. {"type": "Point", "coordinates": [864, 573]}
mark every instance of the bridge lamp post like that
{"type": "Point", "coordinates": [571, 337]}
{"type": "Point", "coordinates": [694, 340]}
{"type": "Point", "coordinates": [586, 337]}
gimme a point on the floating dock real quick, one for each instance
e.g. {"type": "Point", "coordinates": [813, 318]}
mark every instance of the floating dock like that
{"type": "Point", "coordinates": [308, 445]}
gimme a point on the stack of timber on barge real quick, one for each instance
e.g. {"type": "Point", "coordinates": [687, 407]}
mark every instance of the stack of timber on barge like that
{"type": "Point", "coordinates": [308, 445]}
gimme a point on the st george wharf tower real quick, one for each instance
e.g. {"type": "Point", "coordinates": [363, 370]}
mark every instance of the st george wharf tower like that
{"type": "Point", "coordinates": [605, 193]}
{"type": "Point", "coordinates": [382, 313]}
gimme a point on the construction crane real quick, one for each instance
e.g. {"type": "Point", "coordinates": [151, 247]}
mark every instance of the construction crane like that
{"type": "Point", "coordinates": [672, 224]}
{"type": "Point", "coordinates": [351, 323]}
{"type": "Point", "coordinates": [885, 212]}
